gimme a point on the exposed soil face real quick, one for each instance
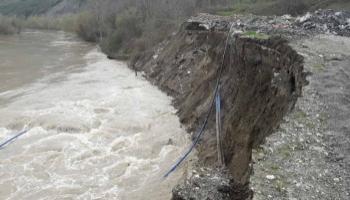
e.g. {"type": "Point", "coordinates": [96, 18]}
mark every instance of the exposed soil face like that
{"type": "Point", "coordinates": [262, 79]}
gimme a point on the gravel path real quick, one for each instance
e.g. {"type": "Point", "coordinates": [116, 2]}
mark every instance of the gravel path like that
{"type": "Point", "coordinates": [309, 155]}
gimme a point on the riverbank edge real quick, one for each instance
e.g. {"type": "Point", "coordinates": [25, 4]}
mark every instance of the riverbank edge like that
{"type": "Point", "coordinates": [177, 56]}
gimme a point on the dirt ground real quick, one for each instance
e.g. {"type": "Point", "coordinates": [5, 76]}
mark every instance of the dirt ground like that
{"type": "Point", "coordinates": [309, 155]}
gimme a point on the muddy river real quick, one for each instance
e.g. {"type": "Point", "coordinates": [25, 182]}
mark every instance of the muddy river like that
{"type": "Point", "coordinates": [95, 130]}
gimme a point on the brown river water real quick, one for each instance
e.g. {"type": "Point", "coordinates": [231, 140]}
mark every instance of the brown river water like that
{"type": "Point", "coordinates": [95, 130]}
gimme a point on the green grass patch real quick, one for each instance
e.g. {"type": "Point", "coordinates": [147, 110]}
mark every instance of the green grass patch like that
{"type": "Point", "coordinates": [255, 35]}
{"type": "Point", "coordinates": [285, 151]}
{"type": "Point", "coordinates": [274, 167]}
{"type": "Point", "coordinates": [225, 12]}
{"type": "Point", "coordinates": [300, 115]}
{"type": "Point", "coordinates": [319, 67]}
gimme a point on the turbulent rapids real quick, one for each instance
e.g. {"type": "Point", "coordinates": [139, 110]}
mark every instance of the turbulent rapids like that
{"type": "Point", "coordinates": [95, 130]}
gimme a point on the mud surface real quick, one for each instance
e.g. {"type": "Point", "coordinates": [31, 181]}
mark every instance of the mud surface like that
{"type": "Point", "coordinates": [308, 157]}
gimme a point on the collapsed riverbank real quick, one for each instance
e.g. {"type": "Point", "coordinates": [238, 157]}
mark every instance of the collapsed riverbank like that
{"type": "Point", "coordinates": [262, 79]}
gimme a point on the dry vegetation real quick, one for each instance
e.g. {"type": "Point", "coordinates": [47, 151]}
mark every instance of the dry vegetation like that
{"type": "Point", "coordinates": [9, 25]}
{"type": "Point", "coordinates": [127, 27]}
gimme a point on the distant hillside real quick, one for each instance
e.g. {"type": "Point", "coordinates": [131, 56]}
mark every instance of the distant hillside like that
{"type": "Point", "coordinates": [39, 7]}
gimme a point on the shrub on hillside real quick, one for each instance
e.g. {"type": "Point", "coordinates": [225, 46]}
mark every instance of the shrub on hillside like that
{"type": "Point", "coordinates": [87, 27]}
{"type": "Point", "coordinates": [40, 22]}
{"type": "Point", "coordinates": [9, 25]}
{"type": "Point", "coordinates": [126, 29]}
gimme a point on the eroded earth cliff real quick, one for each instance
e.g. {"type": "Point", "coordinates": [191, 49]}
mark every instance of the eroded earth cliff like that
{"type": "Point", "coordinates": [261, 80]}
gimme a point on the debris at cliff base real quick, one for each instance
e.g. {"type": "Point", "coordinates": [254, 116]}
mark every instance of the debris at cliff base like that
{"type": "Point", "coordinates": [210, 184]}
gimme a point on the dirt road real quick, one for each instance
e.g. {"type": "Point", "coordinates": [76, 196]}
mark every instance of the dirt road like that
{"type": "Point", "coordinates": [309, 155]}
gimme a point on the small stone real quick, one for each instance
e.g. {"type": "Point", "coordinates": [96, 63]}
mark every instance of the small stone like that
{"type": "Point", "coordinates": [270, 177]}
{"type": "Point", "coordinates": [170, 142]}
{"type": "Point", "coordinates": [224, 189]}
{"type": "Point", "coordinates": [299, 125]}
{"type": "Point", "coordinates": [260, 156]}
{"type": "Point", "coordinates": [271, 149]}
{"type": "Point", "coordinates": [336, 180]}
{"type": "Point", "coordinates": [340, 157]}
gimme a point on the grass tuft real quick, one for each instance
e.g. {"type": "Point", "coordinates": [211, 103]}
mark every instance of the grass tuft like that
{"type": "Point", "coordinates": [255, 35]}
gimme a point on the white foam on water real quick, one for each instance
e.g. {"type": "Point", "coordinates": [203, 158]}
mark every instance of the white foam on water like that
{"type": "Point", "coordinates": [100, 133]}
